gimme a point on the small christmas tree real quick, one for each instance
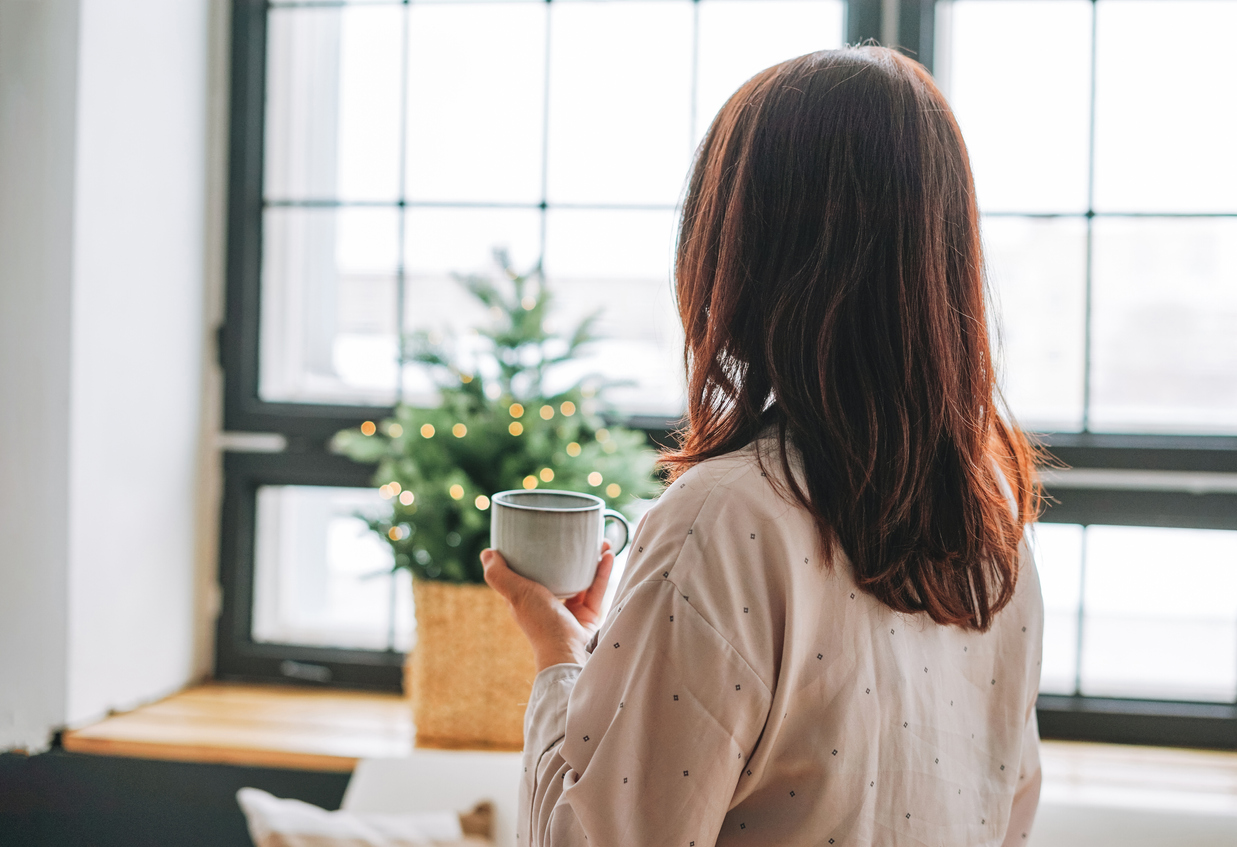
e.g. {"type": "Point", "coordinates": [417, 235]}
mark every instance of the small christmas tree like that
{"type": "Point", "coordinates": [494, 429]}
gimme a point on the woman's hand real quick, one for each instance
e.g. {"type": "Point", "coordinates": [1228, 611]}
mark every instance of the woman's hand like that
{"type": "Point", "coordinates": [558, 630]}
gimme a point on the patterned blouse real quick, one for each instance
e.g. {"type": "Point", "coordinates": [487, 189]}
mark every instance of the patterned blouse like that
{"type": "Point", "coordinates": [744, 692]}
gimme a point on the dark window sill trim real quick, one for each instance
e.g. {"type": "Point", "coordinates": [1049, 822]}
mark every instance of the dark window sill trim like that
{"type": "Point", "coordinates": [1146, 722]}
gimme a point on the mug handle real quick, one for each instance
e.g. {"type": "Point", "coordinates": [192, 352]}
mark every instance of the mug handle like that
{"type": "Point", "coordinates": [610, 514]}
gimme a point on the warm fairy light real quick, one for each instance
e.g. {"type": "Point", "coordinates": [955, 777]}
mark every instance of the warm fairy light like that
{"type": "Point", "coordinates": [546, 475]}
{"type": "Point", "coordinates": [395, 533]}
{"type": "Point", "coordinates": [368, 428]}
{"type": "Point", "coordinates": [427, 430]}
{"type": "Point", "coordinates": [395, 487]}
{"type": "Point", "coordinates": [609, 447]}
{"type": "Point", "coordinates": [386, 492]}
{"type": "Point", "coordinates": [459, 430]}
{"type": "Point", "coordinates": [573, 449]}
{"type": "Point", "coordinates": [613, 490]}
{"type": "Point", "coordinates": [465, 378]}
{"type": "Point", "coordinates": [529, 302]}
{"type": "Point", "coordinates": [594, 478]}
{"type": "Point", "coordinates": [530, 482]}
{"type": "Point", "coordinates": [589, 390]}
{"type": "Point", "coordinates": [407, 497]}
{"type": "Point", "coordinates": [516, 410]}
{"type": "Point", "coordinates": [456, 491]}
{"type": "Point", "coordinates": [395, 430]}
{"type": "Point", "coordinates": [547, 412]}
{"type": "Point", "coordinates": [568, 408]}
{"type": "Point", "coordinates": [516, 428]}
{"type": "Point", "coordinates": [603, 435]}
{"type": "Point", "coordinates": [482, 502]}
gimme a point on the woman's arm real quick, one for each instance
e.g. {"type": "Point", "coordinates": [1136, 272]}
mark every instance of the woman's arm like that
{"type": "Point", "coordinates": [645, 741]}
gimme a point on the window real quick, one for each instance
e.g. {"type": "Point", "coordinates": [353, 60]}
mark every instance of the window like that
{"type": "Point", "coordinates": [379, 147]}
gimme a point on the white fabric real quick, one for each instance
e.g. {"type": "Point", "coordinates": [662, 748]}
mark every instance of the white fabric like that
{"type": "Point", "coordinates": [276, 822]}
{"type": "Point", "coordinates": [743, 691]}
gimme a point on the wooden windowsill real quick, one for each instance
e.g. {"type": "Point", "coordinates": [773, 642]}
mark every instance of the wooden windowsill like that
{"type": "Point", "coordinates": [329, 730]}
{"type": "Point", "coordinates": [259, 725]}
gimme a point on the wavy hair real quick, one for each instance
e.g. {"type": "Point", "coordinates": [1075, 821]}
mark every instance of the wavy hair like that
{"type": "Point", "coordinates": [829, 277]}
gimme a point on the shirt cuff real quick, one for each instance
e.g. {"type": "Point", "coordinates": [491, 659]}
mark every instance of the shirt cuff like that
{"type": "Point", "coordinates": [545, 720]}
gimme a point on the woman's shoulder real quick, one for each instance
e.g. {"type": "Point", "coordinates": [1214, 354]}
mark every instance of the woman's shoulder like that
{"type": "Point", "coordinates": [710, 509]}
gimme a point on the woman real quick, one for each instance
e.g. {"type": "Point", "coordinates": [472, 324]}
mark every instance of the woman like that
{"type": "Point", "coordinates": [829, 629]}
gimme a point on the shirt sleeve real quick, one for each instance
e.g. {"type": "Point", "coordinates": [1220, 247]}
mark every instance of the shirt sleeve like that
{"type": "Point", "coordinates": [645, 743]}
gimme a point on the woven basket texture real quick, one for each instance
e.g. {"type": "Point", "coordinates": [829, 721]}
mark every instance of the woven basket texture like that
{"type": "Point", "coordinates": [471, 670]}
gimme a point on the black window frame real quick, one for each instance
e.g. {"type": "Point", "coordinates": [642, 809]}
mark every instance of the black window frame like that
{"type": "Point", "coordinates": [307, 429]}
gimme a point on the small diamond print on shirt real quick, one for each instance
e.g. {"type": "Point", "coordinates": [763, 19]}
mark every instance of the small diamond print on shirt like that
{"type": "Point", "coordinates": [852, 595]}
{"type": "Point", "coordinates": [1002, 767]}
{"type": "Point", "coordinates": [938, 761]}
{"type": "Point", "coordinates": [792, 794]}
{"type": "Point", "coordinates": [749, 772]}
{"type": "Point", "coordinates": [745, 610]}
{"type": "Point", "coordinates": [753, 535]}
{"type": "Point", "coordinates": [672, 618]}
{"type": "Point", "coordinates": [689, 532]}
{"type": "Point", "coordinates": [616, 644]}
{"type": "Point", "coordinates": [867, 691]}
{"type": "Point", "coordinates": [742, 826]}
{"type": "Point", "coordinates": [1024, 629]}
{"type": "Point", "coordinates": [676, 697]}
{"type": "Point", "coordinates": [586, 738]}
{"type": "Point", "coordinates": [640, 550]}
{"type": "Point", "coordinates": [830, 840]}
{"type": "Point", "coordinates": [994, 682]}
{"type": "Point", "coordinates": [665, 573]}
{"type": "Point", "coordinates": [835, 752]}
{"type": "Point", "coordinates": [820, 655]}
{"type": "Point", "coordinates": [684, 773]}
{"type": "Point", "coordinates": [736, 688]}
{"type": "Point", "coordinates": [908, 816]}
{"type": "Point", "coordinates": [905, 724]}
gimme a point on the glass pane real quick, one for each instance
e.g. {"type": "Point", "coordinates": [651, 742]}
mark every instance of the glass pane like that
{"type": "Point", "coordinates": [321, 577]}
{"type": "Point", "coordinates": [329, 323]}
{"type": "Point", "coordinates": [620, 101]}
{"type": "Point", "coordinates": [1058, 557]}
{"type": "Point", "coordinates": [332, 103]}
{"type": "Point", "coordinates": [476, 94]}
{"type": "Point", "coordinates": [1166, 106]}
{"type": "Point", "coordinates": [1018, 77]}
{"type": "Point", "coordinates": [1161, 613]}
{"type": "Point", "coordinates": [443, 242]}
{"type": "Point", "coordinates": [1037, 277]}
{"type": "Point", "coordinates": [740, 38]}
{"type": "Point", "coordinates": [620, 261]}
{"type": "Point", "coordinates": [1164, 349]}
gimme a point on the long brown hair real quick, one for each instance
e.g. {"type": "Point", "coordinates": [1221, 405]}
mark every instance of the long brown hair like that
{"type": "Point", "coordinates": [830, 281]}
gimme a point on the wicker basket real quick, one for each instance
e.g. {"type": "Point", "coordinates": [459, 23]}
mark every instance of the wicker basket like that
{"type": "Point", "coordinates": [471, 671]}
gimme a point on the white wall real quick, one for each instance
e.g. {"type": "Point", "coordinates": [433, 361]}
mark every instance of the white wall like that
{"type": "Point", "coordinates": [107, 484]}
{"type": "Point", "coordinates": [38, 80]}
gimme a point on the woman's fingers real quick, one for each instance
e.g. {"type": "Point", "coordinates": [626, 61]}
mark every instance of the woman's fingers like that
{"type": "Point", "coordinates": [505, 581]}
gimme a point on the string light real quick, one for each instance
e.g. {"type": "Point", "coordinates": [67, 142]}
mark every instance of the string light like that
{"type": "Point", "coordinates": [407, 497]}
{"type": "Point", "coordinates": [613, 490]}
{"type": "Point", "coordinates": [427, 430]}
{"type": "Point", "coordinates": [456, 491]}
{"type": "Point", "coordinates": [465, 378]}
{"type": "Point", "coordinates": [395, 430]}
{"type": "Point", "coordinates": [594, 479]}
{"type": "Point", "coordinates": [547, 412]}
{"type": "Point", "coordinates": [368, 428]}
{"type": "Point", "coordinates": [459, 430]}
{"type": "Point", "coordinates": [395, 533]}
{"type": "Point", "coordinates": [603, 435]}
{"type": "Point", "coordinates": [568, 408]}
{"type": "Point", "coordinates": [516, 410]}
{"type": "Point", "coordinates": [546, 475]}
{"type": "Point", "coordinates": [573, 449]}
{"type": "Point", "coordinates": [386, 492]}
{"type": "Point", "coordinates": [395, 487]}
{"type": "Point", "coordinates": [516, 428]}
{"type": "Point", "coordinates": [529, 302]}
{"type": "Point", "coordinates": [530, 482]}
{"type": "Point", "coordinates": [482, 502]}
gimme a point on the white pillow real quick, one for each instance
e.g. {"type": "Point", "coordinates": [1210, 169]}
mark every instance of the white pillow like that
{"type": "Point", "coordinates": [274, 822]}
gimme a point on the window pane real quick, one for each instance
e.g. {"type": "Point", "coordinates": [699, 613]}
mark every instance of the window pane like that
{"type": "Point", "coordinates": [619, 261]}
{"type": "Point", "coordinates": [620, 101]}
{"type": "Point", "coordinates": [444, 242]}
{"type": "Point", "coordinates": [332, 103]}
{"type": "Point", "coordinates": [1037, 276]}
{"type": "Point", "coordinates": [740, 38]}
{"type": "Point", "coordinates": [476, 94]}
{"type": "Point", "coordinates": [329, 323]}
{"type": "Point", "coordinates": [321, 577]}
{"type": "Point", "coordinates": [1058, 558]}
{"type": "Point", "coordinates": [1018, 78]}
{"type": "Point", "coordinates": [1165, 325]}
{"type": "Point", "coordinates": [1166, 106]}
{"type": "Point", "coordinates": [1161, 613]}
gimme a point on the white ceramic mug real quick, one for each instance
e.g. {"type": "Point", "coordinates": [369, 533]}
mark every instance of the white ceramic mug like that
{"type": "Point", "coordinates": [553, 537]}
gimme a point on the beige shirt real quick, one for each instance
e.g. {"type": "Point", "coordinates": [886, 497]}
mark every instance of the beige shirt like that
{"type": "Point", "coordinates": [744, 692]}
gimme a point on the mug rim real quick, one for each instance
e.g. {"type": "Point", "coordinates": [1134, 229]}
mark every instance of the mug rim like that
{"type": "Point", "coordinates": [596, 501]}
